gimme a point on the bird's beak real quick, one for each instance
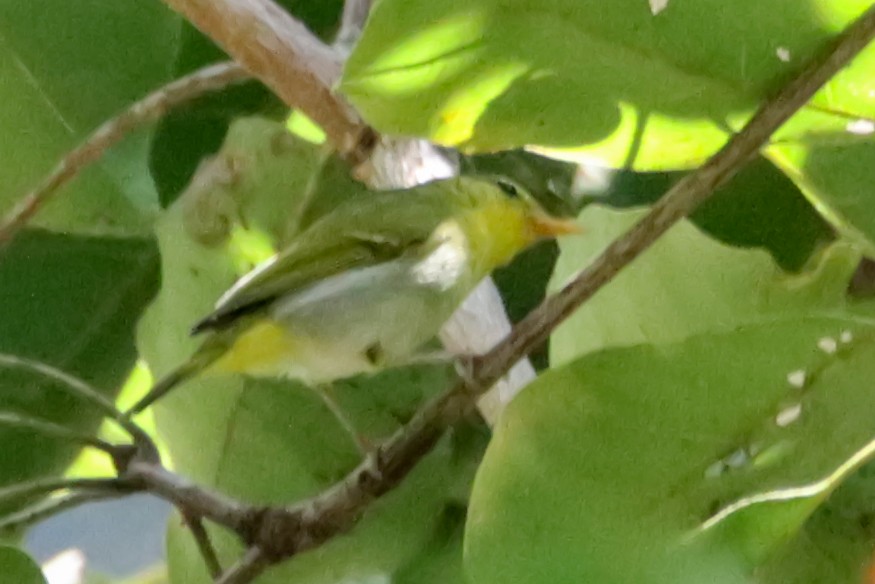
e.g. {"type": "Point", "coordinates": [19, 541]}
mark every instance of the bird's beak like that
{"type": "Point", "coordinates": [545, 226]}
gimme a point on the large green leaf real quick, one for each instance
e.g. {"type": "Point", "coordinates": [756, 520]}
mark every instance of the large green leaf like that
{"type": "Point", "coordinates": [70, 303]}
{"type": "Point", "coordinates": [684, 462]}
{"type": "Point", "coordinates": [605, 80]}
{"type": "Point", "coordinates": [686, 284]}
{"type": "Point", "coordinates": [66, 67]}
{"type": "Point", "coordinates": [16, 567]}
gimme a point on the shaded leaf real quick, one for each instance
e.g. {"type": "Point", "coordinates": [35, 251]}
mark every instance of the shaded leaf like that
{"type": "Point", "coordinates": [837, 178]}
{"type": "Point", "coordinates": [835, 545]}
{"type": "Point", "coordinates": [59, 83]}
{"type": "Point", "coordinates": [608, 469]}
{"type": "Point", "coordinates": [760, 207]}
{"type": "Point", "coordinates": [17, 568]}
{"type": "Point", "coordinates": [71, 303]}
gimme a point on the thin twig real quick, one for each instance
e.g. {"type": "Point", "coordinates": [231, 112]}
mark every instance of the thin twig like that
{"type": "Point", "coordinates": [289, 59]}
{"type": "Point", "coordinates": [204, 544]}
{"type": "Point", "coordinates": [50, 507]}
{"type": "Point", "coordinates": [247, 568]}
{"type": "Point", "coordinates": [53, 430]}
{"type": "Point", "coordinates": [149, 109]}
{"type": "Point", "coordinates": [352, 23]}
{"type": "Point", "coordinates": [49, 485]}
{"type": "Point", "coordinates": [80, 389]}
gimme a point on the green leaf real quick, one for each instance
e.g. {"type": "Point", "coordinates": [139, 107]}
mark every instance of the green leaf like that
{"type": "Point", "coordinates": [684, 462]}
{"type": "Point", "coordinates": [583, 78]}
{"type": "Point", "coordinates": [66, 67]}
{"type": "Point", "coordinates": [760, 207]}
{"type": "Point", "coordinates": [836, 543]}
{"type": "Point", "coordinates": [441, 561]}
{"type": "Point", "coordinates": [70, 303]}
{"type": "Point", "coordinates": [836, 177]}
{"type": "Point", "coordinates": [16, 567]}
{"type": "Point", "coordinates": [685, 284]}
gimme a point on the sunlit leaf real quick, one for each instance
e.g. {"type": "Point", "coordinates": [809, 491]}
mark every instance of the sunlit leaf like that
{"type": "Point", "coordinates": [608, 81]}
{"type": "Point", "coordinates": [685, 285]}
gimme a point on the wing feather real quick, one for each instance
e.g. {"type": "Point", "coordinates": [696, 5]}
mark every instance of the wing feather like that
{"type": "Point", "coordinates": [356, 235]}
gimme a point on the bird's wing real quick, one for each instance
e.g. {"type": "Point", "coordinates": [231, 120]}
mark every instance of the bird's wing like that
{"type": "Point", "coordinates": [362, 233]}
{"type": "Point", "coordinates": [299, 266]}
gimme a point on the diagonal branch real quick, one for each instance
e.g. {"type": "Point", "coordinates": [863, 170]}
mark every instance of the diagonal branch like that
{"type": "Point", "coordinates": [204, 543]}
{"type": "Point", "coordinates": [33, 514]}
{"type": "Point", "coordinates": [289, 59]}
{"type": "Point", "coordinates": [253, 563]}
{"type": "Point", "coordinates": [352, 23]}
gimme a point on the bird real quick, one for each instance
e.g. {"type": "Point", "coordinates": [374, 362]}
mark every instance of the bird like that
{"type": "Point", "coordinates": [367, 285]}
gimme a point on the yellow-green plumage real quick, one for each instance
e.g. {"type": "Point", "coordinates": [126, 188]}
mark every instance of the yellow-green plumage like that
{"type": "Point", "coordinates": [366, 286]}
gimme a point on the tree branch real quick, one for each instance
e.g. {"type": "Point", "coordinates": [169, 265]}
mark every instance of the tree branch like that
{"type": "Point", "coordinates": [52, 430]}
{"type": "Point", "coordinates": [253, 563]}
{"type": "Point", "coordinates": [352, 22]}
{"type": "Point", "coordinates": [192, 498]}
{"type": "Point", "coordinates": [151, 108]}
{"type": "Point", "coordinates": [289, 59]}
{"type": "Point", "coordinates": [204, 544]}
{"type": "Point", "coordinates": [35, 513]}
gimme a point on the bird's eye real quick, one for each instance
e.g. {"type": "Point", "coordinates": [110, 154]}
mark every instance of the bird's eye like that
{"type": "Point", "coordinates": [509, 188]}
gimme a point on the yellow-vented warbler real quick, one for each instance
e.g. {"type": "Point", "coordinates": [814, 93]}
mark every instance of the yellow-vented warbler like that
{"type": "Point", "coordinates": [367, 285]}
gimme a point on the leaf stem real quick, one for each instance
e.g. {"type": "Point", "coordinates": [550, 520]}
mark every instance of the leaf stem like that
{"type": "Point", "coordinates": [45, 509]}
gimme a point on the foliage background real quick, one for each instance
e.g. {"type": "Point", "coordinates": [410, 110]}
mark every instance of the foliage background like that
{"type": "Point", "coordinates": [660, 406]}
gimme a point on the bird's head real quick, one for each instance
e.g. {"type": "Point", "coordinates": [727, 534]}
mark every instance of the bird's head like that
{"type": "Point", "coordinates": [501, 219]}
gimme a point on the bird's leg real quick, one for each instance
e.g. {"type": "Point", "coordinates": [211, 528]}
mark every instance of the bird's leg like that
{"type": "Point", "coordinates": [326, 394]}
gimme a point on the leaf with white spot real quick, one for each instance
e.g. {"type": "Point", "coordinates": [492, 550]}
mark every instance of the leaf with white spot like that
{"type": "Point", "coordinates": [689, 461]}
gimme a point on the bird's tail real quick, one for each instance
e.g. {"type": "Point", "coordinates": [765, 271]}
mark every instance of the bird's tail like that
{"type": "Point", "coordinates": [198, 362]}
